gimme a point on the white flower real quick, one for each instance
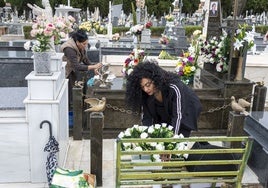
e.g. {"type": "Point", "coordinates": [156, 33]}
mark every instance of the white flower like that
{"type": "Point", "coordinates": [121, 135]}
{"type": "Point", "coordinates": [129, 71]}
{"type": "Point", "coordinates": [127, 132]}
{"type": "Point", "coordinates": [153, 144]}
{"type": "Point", "coordinates": [238, 44]}
{"type": "Point", "coordinates": [218, 67]}
{"type": "Point", "coordinates": [193, 68]}
{"type": "Point", "coordinates": [170, 127]}
{"type": "Point", "coordinates": [127, 144]}
{"type": "Point", "coordinates": [138, 148]}
{"type": "Point", "coordinates": [156, 158]}
{"type": "Point", "coordinates": [164, 125]}
{"type": "Point", "coordinates": [157, 126]}
{"type": "Point", "coordinates": [249, 37]}
{"type": "Point", "coordinates": [160, 146]}
{"type": "Point", "coordinates": [27, 45]}
{"type": "Point", "coordinates": [151, 129]}
{"type": "Point", "coordinates": [196, 32]}
{"type": "Point", "coordinates": [142, 128]}
{"type": "Point", "coordinates": [144, 135]}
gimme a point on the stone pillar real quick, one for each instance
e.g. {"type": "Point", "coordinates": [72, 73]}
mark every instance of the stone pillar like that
{"type": "Point", "coordinates": [77, 113]}
{"type": "Point", "coordinates": [47, 100]}
{"type": "Point", "coordinates": [96, 134]}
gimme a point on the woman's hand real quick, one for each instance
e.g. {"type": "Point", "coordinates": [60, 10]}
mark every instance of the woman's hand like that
{"type": "Point", "coordinates": [97, 67]}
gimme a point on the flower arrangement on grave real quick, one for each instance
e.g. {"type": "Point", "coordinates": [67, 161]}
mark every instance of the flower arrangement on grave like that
{"type": "Point", "coordinates": [134, 58]}
{"type": "Point", "coordinates": [148, 25]}
{"type": "Point", "coordinates": [48, 32]}
{"type": "Point", "coordinates": [164, 40]}
{"type": "Point", "coordinates": [186, 67]}
{"type": "Point", "coordinates": [63, 27]}
{"type": "Point", "coordinates": [216, 52]}
{"type": "Point", "coordinates": [136, 29]}
{"type": "Point", "coordinates": [169, 18]}
{"type": "Point", "coordinates": [92, 27]}
{"type": "Point", "coordinates": [244, 40]}
{"type": "Point", "coordinates": [165, 55]}
{"type": "Point", "coordinates": [154, 131]}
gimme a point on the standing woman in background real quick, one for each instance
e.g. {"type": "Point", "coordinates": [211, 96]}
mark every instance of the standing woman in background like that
{"type": "Point", "coordinates": [75, 55]}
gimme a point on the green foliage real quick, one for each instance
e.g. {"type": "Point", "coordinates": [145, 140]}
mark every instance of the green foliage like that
{"type": "Point", "coordinates": [26, 30]}
{"type": "Point", "coordinates": [261, 29]}
{"type": "Point", "coordinates": [2, 3]}
{"type": "Point", "coordinates": [117, 2]}
{"type": "Point", "coordinates": [134, 14]}
{"type": "Point", "coordinates": [190, 29]}
{"type": "Point", "coordinates": [190, 6]}
{"type": "Point", "coordinates": [157, 31]}
{"type": "Point", "coordinates": [120, 29]}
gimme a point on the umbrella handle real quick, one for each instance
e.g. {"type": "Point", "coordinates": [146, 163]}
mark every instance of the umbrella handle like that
{"type": "Point", "coordinates": [50, 126]}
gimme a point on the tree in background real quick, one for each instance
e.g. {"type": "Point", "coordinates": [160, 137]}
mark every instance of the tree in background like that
{"type": "Point", "coordinates": [2, 3]}
{"type": "Point", "coordinates": [156, 7]}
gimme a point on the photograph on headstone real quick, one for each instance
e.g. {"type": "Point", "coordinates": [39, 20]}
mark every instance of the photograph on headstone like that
{"type": "Point", "coordinates": [213, 11]}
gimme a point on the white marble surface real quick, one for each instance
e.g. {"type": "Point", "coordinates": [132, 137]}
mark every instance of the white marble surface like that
{"type": "Point", "coordinates": [56, 112]}
{"type": "Point", "coordinates": [257, 69]}
{"type": "Point", "coordinates": [14, 149]}
{"type": "Point", "coordinates": [39, 86]}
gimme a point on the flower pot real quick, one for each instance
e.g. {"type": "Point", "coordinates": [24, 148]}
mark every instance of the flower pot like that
{"type": "Point", "coordinates": [56, 62]}
{"type": "Point", "coordinates": [239, 71]}
{"type": "Point", "coordinates": [42, 63]}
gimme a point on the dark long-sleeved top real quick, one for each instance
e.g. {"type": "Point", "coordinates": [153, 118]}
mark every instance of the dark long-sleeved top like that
{"type": "Point", "coordinates": [180, 107]}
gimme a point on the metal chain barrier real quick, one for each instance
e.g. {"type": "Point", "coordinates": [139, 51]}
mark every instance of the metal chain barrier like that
{"type": "Point", "coordinates": [211, 110]}
{"type": "Point", "coordinates": [123, 110]}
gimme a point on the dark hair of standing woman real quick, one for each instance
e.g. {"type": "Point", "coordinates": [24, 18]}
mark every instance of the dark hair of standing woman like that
{"type": "Point", "coordinates": [148, 69]}
{"type": "Point", "coordinates": [79, 35]}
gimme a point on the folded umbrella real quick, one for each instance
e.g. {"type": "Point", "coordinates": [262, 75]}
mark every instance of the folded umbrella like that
{"type": "Point", "coordinates": [52, 147]}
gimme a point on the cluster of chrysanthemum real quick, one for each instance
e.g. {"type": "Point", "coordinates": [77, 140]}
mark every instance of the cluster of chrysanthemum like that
{"type": "Point", "coordinates": [92, 26]}
{"type": "Point", "coordinates": [154, 131]}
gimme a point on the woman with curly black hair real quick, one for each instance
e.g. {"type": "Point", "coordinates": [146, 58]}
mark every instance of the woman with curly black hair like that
{"type": "Point", "coordinates": [162, 97]}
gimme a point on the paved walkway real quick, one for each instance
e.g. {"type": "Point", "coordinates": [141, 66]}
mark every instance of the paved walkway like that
{"type": "Point", "coordinates": [79, 158]}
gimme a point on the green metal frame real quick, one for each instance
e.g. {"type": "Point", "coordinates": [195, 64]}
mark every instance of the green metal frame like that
{"type": "Point", "coordinates": [130, 172]}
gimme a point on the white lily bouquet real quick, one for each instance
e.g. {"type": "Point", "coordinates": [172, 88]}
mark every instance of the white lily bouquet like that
{"type": "Point", "coordinates": [154, 131]}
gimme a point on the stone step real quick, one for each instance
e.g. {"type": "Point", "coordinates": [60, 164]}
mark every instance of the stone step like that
{"type": "Point", "coordinates": [12, 113]}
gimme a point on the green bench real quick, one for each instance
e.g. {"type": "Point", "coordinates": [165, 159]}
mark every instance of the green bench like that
{"type": "Point", "coordinates": [131, 173]}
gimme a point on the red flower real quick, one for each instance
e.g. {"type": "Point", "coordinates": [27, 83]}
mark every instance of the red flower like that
{"type": "Point", "coordinates": [148, 24]}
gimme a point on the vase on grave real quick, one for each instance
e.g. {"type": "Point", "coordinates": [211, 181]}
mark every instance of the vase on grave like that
{"type": "Point", "coordinates": [42, 63]}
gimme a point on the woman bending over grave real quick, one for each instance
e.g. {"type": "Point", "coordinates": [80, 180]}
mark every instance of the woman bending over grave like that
{"type": "Point", "coordinates": [162, 97]}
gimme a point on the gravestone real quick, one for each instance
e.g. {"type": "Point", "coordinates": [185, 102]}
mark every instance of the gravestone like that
{"type": "Point", "coordinates": [115, 21]}
{"type": "Point", "coordinates": [155, 22]}
{"type": "Point", "coordinates": [163, 21]}
{"type": "Point", "coordinates": [146, 36]}
{"type": "Point", "coordinates": [178, 39]}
